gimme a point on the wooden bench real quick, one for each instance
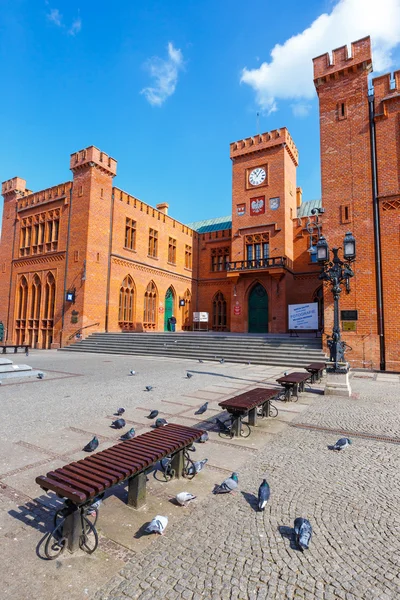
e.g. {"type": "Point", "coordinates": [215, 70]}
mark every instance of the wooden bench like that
{"type": "Point", "coordinates": [82, 481]}
{"type": "Point", "coordinates": [15, 346]}
{"type": "Point", "coordinates": [316, 370]}
{"type": "Point", "coordinates": [293, 384]}
{"type": "Point", "coordinates": [247, 403]}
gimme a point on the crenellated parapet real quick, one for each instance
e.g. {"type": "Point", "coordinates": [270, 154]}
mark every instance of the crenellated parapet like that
{"type": "Point", "coordinates": [341, 64]}
{"type": "Point", "coordinates": [51, 194]}
{"type": "Point", "coordinates": [16, 186]}
{"type": "Point", "coordinates": [386, 89]}
{"type": "Point", "coordinates": [263, 141]}
{"type": "Point", "coordinates": [93, 157]}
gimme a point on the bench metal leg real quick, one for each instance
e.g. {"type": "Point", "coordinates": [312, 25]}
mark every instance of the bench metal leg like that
{"type": "Point", "coordinates": [236, 426]}
{"type": "Point", "coordinates": [288, 389]}
{"type": "Point", "coordinates": [265, 409]}
{"type": "Point", "coordinates": [178, 464]}
{"type": "Point", "coordinates": [137, 490]}
{"type": "Point", "coordinates": [253, 417]}
{"type": "Point", "coordinates": [295, 390]}
{"type": "Point", "coordinates": [72, 530]}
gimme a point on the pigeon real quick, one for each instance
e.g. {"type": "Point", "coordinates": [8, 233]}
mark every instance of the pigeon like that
{"type": "Point", "coordinates": [149, 388]}
{"type": "Point", "coordinates": [40, 375]}
{"type": "Point", "coordinates": [118, 424]}
{"type": "Point", "coordinates": [120, 411]}
{"type": "Point", "coordinates": [222, 360]}
{"type": "Point", "coordinates": [160, 423]}
{"type": "Point", "coordinates": [228, 485]}
{"type": "Point", "coordinates": [128, 435]}
{"type": "Point", "coordinates": [222, 427]}
{"type": "Point", "coordinates": [93, 508]}
{"type": "Point", "coordinates": [303, 533]}
{"type": "Point", "coordinates": [200, 361]}
{"type": "Point", "coordinates": [202, 409]}
{"type": "Point", "coordinates": [157, 525]}
{"type": "Point", "coordinates": [132, 372]}
{"type": "Point", "coordinates": [183, 498]}
{"type": "Point", "coordinates": [204, 438]}
{"type": "Point", "coordinates": [197, 466]}
{"type": "Point", "coordinates": [92, 445]}
{"type": "Point", "coordinates": [153, 414]}
{"type": "Point", "coordinates": [189, 375]}
{"type": "Point", "coordinates": [342, 444]}
{"type": "Point", "coordinates": [263, 495]}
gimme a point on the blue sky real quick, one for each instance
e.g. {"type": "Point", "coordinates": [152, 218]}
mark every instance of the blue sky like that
{"type": "Point", "coordinates": [165, 86]}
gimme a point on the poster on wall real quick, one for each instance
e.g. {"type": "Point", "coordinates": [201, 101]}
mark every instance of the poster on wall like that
{"type": "Point", "coordinates": [303, 316]}
{"type": "Point", "coordinates": [200, 317]}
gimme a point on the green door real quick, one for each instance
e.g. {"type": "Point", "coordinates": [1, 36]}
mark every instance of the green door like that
{"type": "Point", "coordinates": [258, 310]}
{"type": "Point", "coordinates": [168, 308]}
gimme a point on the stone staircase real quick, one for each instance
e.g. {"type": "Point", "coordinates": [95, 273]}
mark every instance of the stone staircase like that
{"type": "Point", "coordinates": [9, 370]}
{"type": "Point", "coordinates": [281, 350]}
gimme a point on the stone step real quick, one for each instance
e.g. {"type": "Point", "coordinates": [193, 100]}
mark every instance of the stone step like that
{"type": "Point", "coordinates": [14, 368]}
{"type": "Point", "coordinates": [5, 361]}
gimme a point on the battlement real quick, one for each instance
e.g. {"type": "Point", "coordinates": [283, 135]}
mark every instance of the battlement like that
{"type": "Point", "coordinates": [51, 194]}
{"type": "Point", "coordinates": [93, 157]}
{"type": "Point", "coordinates": [342, 63]}
{"type": "Point", "coordinates": [16, 184]}
{"type": "Point", "coordinates": [386, 86]}
{"type": "Point", "coordinates": [263, 141]}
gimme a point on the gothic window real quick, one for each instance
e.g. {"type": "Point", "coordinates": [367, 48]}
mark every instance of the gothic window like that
{"type": "Point", "coordinates": [188, 257]}
{"type": "Point", "coordinates": [257, 249]}
{"type": "Point", "coordinates": [219, 311]}
{"type": "Point", "coordinates": [153, 243]}
{"type": "Point", "coordinates": [126, 300]}
{"type": "Point", "coordinates": [150, 306]}
{"type": "Point", "coordinates": [130, 234]}
{"type": "Point", "coordinates": [22, 307]}
{"type": "Point", "coordinates": [219, 259]}
{"type": "Point", "coordinates": [172, 251]}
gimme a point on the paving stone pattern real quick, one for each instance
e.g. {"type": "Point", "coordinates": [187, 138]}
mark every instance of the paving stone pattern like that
{"type": "Point", "coordinates": [224, 549]}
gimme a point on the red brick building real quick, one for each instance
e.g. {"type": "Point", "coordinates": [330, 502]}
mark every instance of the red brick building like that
{"type": "Point", "coordinates": [85, 256]}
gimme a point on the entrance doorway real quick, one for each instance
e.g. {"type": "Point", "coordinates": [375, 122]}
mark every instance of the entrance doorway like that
{"type": "Point", "coordinates": [168, 308]}
{"type": "Point", "coordinates": [258, 310]}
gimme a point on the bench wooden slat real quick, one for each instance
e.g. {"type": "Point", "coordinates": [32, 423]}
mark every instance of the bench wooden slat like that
{"type": "Point", "coordinates": [103, 473]}
{"type": "Point", "coordinates": [249, 400]}
{"type": "Point", "coordinates": [86, 477]}
{"type": "Point", "coordinates": [75, 485]}
{"type": "Point", "coordinates": [46, 483]}
{"type": "Point", "coordinates": [147, 449]}
{"type": "Point", "coordinates": [133, 462]}
{"type": "Point", "coordinates": [295, 377]}
{"type": "Point", "coordinates": [100, 459]}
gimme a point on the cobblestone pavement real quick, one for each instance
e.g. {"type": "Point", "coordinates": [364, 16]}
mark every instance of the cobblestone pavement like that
{"type": "Point", "coordinates": [223, 549]}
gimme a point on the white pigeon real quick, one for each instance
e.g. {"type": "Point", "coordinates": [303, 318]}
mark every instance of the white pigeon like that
{"type": "Point", "coordinates": [132, 372]}
{"type": "Point", "coordinates": [157, 525]}
{"type": "Point", "coordinates": [183, 498]}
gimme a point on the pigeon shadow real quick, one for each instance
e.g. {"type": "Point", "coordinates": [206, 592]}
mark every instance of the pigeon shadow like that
{"type": "Point", "coordinates": [251, 500]}
{"type": "Point", "coordinates": [142, 531]}
{"type": "Point", "coordinates": [331, 447]}
{"type": "Point", "coordinates": [289, 534]}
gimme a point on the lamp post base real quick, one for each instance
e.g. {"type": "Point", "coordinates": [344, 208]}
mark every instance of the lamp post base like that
{"type": "Point", "coordinates": [337, 380]}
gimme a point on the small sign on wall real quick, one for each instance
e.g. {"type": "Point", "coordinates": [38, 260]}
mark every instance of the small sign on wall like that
{"type": "Point", "coordinates": [200, 317]}
{"type": "Point", "coordinates": [349, 326]}
{"type": "Point", "coordinates": [257, 206]}
{"type": "Point", "coordinates": [303, 316]}
{"type": "Point", "coordinates": [237, 309]}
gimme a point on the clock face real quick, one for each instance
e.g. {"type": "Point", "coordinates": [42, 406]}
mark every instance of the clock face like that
{"type": "Point", "coordinates": [257, 176]}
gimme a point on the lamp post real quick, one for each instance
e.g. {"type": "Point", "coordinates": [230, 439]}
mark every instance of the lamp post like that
{"type": "Point", "coordinates": [336, 272]}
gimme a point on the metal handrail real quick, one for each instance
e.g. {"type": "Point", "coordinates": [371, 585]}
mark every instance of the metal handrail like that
{"type": "Point", "coordinates": [259, 263]}
{"type": "Point", "coordinates": [81, 329]}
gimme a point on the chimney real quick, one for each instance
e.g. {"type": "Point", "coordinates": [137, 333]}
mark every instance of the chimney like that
{"type": "Point", "coordinates": [163, 207]}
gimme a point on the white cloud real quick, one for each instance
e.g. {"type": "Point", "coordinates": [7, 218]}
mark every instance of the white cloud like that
{"type": "Point", "coordinates": [300, 109]}
{"type": "Point", "coordinates": [289, 74]}
{"type": "Point", "coordinates": [55, 17]}
{"type": "Point", "coordinates": [165, 75]}
{"type": "Point", "coordinates": [75, 27]}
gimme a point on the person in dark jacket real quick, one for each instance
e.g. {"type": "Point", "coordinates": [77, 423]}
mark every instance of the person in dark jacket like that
{"type": "Point", "coordinates": [172, 322]}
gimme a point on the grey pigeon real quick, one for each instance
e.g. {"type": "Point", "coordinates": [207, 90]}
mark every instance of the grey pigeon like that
{"type": "Point", "coordinates": [200, 361]}
{"type": "Point", "coordinates": [202, 409]}
{"type": "Point", "coordinates": [149, 388]}
{"type": "Point", "coordinates": [204, 438]}
{"type": "Point", "coordinates": [189, 375]}
{"type": "Point", "coordinates": [92, 445]}
{"type": "Point", "coordinates": [221, 426]}
{"type": "Point", "coordinates": [183, 498]}
{"type": "Point", "coordinates": [132, 372]}
{"type": "Point", "coordinates": [222, 360]}
{"type": "Point", "coordinates": [342, 444]}
{"type": "Point", "coordinates": [157, 525]}
{"type": "Point", "coordinates": [263, 495]}
{"type": "Point", "coordinates": [118, 424]}
{"type": "Point", "coordinates": [40, 375]}
{"type": "Point", "coordinates": [128, 435]}
{"type": "Point", "coordinates": [197, 466]}
{"type": "Point", "coordinates": [228, 485]}
{"type": "Point", "coordinates": [153, 414]}
{"type": "Point", "coordinates": [160, 423]}
{"type": "Point", "coordinates": [93, 508]}
{"type": "Point", "coordinates": [120, 411]}
{"type": "Point", "coordinates": [303, 533]}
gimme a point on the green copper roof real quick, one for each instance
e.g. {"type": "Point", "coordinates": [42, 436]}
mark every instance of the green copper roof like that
{"type": "Point", "coordinates": [220, 223]}
{"type": "Point", "coordinates": [211, 224]}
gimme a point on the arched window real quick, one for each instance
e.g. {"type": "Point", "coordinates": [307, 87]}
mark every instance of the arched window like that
{"type": "Point", "coordinates": [36, 292]}
{"type": "Point", "coordinates": [150, 306]}
{"type": "Point", "coordinates": [49, 296]}
{"type": "Point", "coordinates": [22, 298]}
{"type": "Point", "coordinates": [186, 309]}
{"type": "Point", "coordinates": [126, 300]}
{"type": "Point", "coordinates": [219, 310]}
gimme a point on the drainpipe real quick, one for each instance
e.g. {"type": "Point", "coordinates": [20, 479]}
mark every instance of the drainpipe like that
{"type": "Point", "coordinates": [66, 265]}
{"type": "Point", "coordinates": [11, 271]}
{"type": "Point", "coordinates": [109, 262]}
{"type": "Point", "coordinates": [377, 234]}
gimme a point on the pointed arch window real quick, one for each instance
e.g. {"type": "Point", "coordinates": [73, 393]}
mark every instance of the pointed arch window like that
{"type": "Point", "coordinates": [219, 311]}
{"type": "Point", "coordinates": [186, 309]}
{"type": "Point", "coordinates": [150, 306]}
{"type": "Point", "coordinates": [126, 300]}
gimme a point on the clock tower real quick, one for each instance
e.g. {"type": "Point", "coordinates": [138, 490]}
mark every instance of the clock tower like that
{"type": "Point", "coordinates": [263, 207]}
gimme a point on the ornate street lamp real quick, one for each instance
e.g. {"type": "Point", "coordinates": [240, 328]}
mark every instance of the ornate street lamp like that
{"type": "Point", "coordinates": [336, 272]}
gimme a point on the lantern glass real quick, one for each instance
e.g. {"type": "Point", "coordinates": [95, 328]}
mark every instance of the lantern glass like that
{"type": "Point", "coordinates": [322, 250]}
{"type": "Point", "coordinates": [349, 246]}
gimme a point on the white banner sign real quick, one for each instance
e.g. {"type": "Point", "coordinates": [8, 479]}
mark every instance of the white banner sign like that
{"type": "Point", "coordinates": [200, 317]}
{"type": "Point", "coordinates": [303, 316]}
